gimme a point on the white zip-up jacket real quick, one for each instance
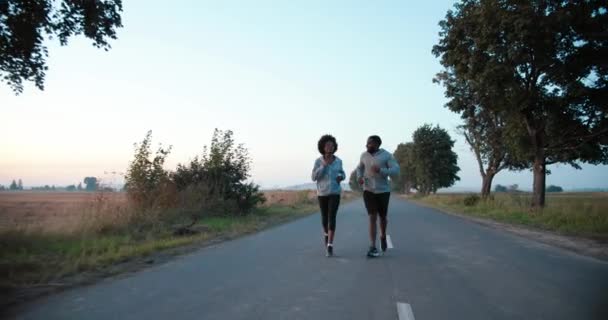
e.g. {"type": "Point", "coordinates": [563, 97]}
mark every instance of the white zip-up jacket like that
{"type": "Point", "coordinates": [377, 182]}
{"type": "Point", "coordinates": [326, 176]}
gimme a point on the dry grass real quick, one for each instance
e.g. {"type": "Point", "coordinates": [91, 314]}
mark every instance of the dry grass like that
{"type": "Point", "coordinates": [290, 198]}
{"type": "Point", "coordinates": [45, 236]}
{"type": "Point", "coordinates": [66, 212]}
{"type": "Point", "coordinates": [581, 214]}
{"type": "Point", "coordinates": [54, 211]}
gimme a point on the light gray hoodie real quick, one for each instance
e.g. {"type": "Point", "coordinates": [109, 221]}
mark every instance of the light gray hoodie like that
{"type": "Point", "coordinates": [377, 182]}
{"type": "Point", "coordinates": [325, 176]}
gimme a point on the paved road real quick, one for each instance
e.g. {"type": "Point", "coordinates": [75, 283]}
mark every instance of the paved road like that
{"type": "Point", "coordinates": [441, 266]}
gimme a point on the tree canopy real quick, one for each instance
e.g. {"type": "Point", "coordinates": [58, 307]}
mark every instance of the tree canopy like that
{"type": "Point", "coordinates": [543, 65]}
{"type": "Point", "coordinates": [25, 26]}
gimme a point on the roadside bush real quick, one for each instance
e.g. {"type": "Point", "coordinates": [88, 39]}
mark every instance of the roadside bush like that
{"type": "Point", "coordinates": [147, 183]}
{"type": "Point", "coordinates": [220, 176]}
{"type": "Point", "coordinates": [471, 200]}
{"type": "Point", "coordinates": [214, 183]}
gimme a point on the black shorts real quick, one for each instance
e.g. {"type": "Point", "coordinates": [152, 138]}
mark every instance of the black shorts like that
{"type": "Point", "coordinates": [376, 203]}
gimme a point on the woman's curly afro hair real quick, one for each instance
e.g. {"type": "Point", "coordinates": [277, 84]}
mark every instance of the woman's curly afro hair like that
{"type": "Point", "coordinates": [325, 139]}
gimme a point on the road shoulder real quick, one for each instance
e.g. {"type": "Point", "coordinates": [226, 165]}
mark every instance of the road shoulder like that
{"type": "Point", "coordinates": [583, 246]}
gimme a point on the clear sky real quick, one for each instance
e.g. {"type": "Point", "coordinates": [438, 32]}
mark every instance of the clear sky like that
{"type": "Point", "coordinates": [279, 74]}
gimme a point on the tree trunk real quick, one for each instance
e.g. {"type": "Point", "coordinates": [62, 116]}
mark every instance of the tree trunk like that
{"type": "Point", "coordinates": [536, 132]}
{"type": "Point", "coordinates": [538, 197]}
{"type": "Point", "coordinates": [425, 190]}
{"type": "Point", "coordinates": [486, 185]}
{"type": "Point", "coordinates": [407, 187]}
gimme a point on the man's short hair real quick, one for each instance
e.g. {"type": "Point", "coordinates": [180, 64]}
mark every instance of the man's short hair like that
{"type": "Point", "coordinates": [375, 138]}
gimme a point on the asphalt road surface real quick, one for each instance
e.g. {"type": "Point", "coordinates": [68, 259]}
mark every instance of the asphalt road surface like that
{"type": "Point", "coordinates": [440, 267]}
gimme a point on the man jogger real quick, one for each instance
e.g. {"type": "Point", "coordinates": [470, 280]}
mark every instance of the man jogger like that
{"type": "Point", "coordinates": [374, 169]}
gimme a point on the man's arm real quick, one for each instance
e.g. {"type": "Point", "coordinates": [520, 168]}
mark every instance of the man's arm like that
{"type": "Point", "coordinates": [392, 168]}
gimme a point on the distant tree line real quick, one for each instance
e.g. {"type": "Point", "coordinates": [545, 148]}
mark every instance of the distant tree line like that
{"type": "Point", "coordinates": [515, 188]}
{"type": "Point", "coordinates": [511, 188]}
{"type": "Point", "coordinates": [16, 185]}
{"type": "Point", "coordinates": [91, 184]}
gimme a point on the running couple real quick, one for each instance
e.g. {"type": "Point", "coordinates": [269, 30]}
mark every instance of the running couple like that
{"type": "Point", "coordinates": [375, 166]}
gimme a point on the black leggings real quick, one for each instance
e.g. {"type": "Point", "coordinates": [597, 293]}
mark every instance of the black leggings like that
{"type": "Point", "coordinates": [329, 208]}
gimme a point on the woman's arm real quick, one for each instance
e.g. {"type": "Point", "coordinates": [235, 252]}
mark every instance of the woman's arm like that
{"type": "Point", "coordinates": [318, 170]}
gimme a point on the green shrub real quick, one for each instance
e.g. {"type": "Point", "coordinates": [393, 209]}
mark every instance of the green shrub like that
{"type": "Point", "coordinates": [471, 200]}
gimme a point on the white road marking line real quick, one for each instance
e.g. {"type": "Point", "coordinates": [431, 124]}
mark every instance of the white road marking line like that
{"type": "Point", "coordinates": [389, 242]}
{"type": "Point", "coordinates": [405, 311]}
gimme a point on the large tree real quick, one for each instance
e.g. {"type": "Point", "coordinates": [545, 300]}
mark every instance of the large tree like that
{"type": "Point", "coordinates": [404, 154]}
{"type": "Point", "coordinates": [25, 25]}
{"type": "Point", "coordinates": [544, 65]}
{"type": "Point", "coordinates": [486, 132]}
{"type": "Point", "coordinates": [435, 163]}
{"type": "Point", "coordinates": [484, 129]}
{"type": "Point", "coordinates": [483, 134]}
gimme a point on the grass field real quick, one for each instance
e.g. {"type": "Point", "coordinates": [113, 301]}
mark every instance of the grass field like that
{"type": "Point", "coordinates": [47, 236]}
{"type": "Point", "coordinates": [579, 214]}
{"type": "Point", "coordinates": [50, 211]}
